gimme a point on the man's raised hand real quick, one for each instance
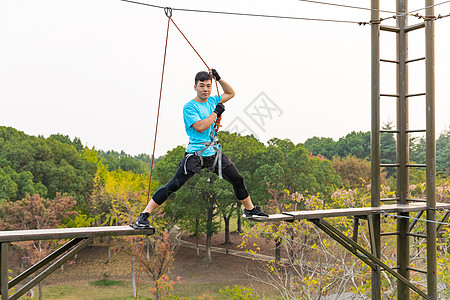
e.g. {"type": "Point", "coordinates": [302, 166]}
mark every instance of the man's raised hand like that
{"type": "Point", "coordinates": [215, 74]}
{"type": "Point", "coordinates": [220, 108]}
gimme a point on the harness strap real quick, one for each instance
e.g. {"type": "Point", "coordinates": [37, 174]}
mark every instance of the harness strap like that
{"type": "Point", "coordinates": [217, 160]}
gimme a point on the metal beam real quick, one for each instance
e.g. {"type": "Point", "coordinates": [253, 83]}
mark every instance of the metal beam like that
{"type": "Point", "coordinates": [444, 219]}
{"type": "Point", "coordinates": [326, 227]}
{"type": "Point", "coordinates": [75, 250]}
{"type": "Point", "coordinates": [431, 151]}
{"type": "Point", "coordinates": [414, 222]}
{"type": "Point", "coordinates": [4, 270]}
{"type": "Point", "coordinates": [403, 255]}
{"type": "Point", "coordinates": [43, 262]}
{"type": "Point", "coordinates": [70, 233]}
{"type": "Point", "coordinates": [343, 242]}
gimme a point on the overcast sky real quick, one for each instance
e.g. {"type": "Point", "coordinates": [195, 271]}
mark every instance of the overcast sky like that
{"type": "Point", "coordinates": [92, 69]}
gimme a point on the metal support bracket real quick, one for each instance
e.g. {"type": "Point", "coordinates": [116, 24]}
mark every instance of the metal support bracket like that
{"type": "Point", "coordinates": [70, 249]}
{"type": "Point", "coordinates": [364, 255]}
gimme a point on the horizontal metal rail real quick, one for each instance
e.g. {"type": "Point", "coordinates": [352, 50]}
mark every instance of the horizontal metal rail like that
{"type": "Point", "coordinates": [389, 233]}
{"type": "Point", "coordinates": [417, 200]}
{"type": "Point", "coordinates": [416, 59]}
{"type": "Point", "coordinates": [389, 61]}
{"type": "Point", "coordinates": [398, 131]}
{"type": "Point", "coordinates": [415, 95]}
{"type": "Point", "coordinates": [389, 28]}
{"type": "Point", "coordinates": [424, 236]}
{"type": "Point", "coordinates": [390, 165]}
{"type": "Point", "coordinates": [389, 95]}
{"type": "Point", "coordinates": [417, 270]}
{"type": "Point", "coordinates": [414, 27]}
{"type": "Point", "coordinates": [389, 199]}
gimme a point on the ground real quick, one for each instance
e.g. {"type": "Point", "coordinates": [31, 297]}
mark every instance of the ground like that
{"type": "Point", "coordinates": [197, 276]}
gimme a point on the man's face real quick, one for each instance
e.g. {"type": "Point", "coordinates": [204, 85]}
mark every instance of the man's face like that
{"type": "Point", "coordinates": [203, 89]}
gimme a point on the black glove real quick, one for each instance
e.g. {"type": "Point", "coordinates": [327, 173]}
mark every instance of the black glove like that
{"type": "Point", "coordinates": [215, 74]}
{"type": "Point", "coordinates": [220, 108]}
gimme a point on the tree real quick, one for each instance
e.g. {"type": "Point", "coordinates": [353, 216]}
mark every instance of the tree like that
{"type": "Point", "coordinates": [443, 152]}
{"type": "Point", "coordinates": [323, 146]}
{"type": "Point", "coordinates": [159, 262]}
{"type": "Point", "coordinates": [354, 143]}
{"type": "Point", "coordinates": [34, 212]}
{"type": "Point", "coordinates": [388, 147]}
{"type": "Point", "coordinates": [310, 266]}
{"type": "Point", "coordinates": [285, 166]}
{"type": "Point", "coordinates": [244, 151]}
{"type": "Point", "coordinates": [354, 171]}
{"type": "Point", "coordinates": [53, 163]}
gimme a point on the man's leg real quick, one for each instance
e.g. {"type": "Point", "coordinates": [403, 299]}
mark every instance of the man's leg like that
{"type": "Point", "coordinates": [151, 206]}
{"type": "Point", "coordinates": [247, 203]}
{"type": "Point", "coordinates": [232, 175]}
{"type": "Point", "coordinates": [161, 195]}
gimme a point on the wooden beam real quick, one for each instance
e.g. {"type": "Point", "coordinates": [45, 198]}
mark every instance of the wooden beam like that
{"type": "Point", "coordinates": [70, 233]}
{"type": "Point", "coordinates": [346, 212]}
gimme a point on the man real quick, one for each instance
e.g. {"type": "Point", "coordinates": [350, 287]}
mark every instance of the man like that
{"type": "Point", "coordinates": [203, 150]}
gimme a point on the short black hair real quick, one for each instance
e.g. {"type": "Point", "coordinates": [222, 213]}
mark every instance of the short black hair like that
{"type": "Point", "coordinates": [202, 76]}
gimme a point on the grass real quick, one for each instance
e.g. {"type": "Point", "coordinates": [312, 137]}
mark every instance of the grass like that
{"type": "Point", "coordinates": [88, 291]}
{"type": "Point", "coordinates": [106, 282]}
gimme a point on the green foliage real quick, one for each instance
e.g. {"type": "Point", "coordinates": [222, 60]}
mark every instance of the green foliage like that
{"type": "Point", "coordinates": [355, 144]}
{"type": "Point", "coordinates": [443, 152]}
{"type": "Point", "coordinates": [80, 220]}
{"type": "Point", "coordinates": [239, 293]}
{"type": "Point", "coordinates": [285, 166]}
{"type": "Point", "coordinates": [120, 160]}
{"type": "Point", "coordinates": [43, 166]}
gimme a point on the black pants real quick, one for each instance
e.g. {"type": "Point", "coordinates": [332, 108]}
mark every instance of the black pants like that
{"type": "Point", "coordinates": [190, 165]}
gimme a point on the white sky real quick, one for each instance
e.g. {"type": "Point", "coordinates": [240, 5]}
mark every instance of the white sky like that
{"type": "Point", "coordinates": [91, 69]}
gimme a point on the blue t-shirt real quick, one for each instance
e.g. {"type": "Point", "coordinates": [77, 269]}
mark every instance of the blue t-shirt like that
{"type": "Point", "coordinates": [194, 111]}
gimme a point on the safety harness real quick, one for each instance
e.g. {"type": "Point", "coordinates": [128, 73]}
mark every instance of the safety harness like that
{"type": "Point", "coordinates": [215, 144]}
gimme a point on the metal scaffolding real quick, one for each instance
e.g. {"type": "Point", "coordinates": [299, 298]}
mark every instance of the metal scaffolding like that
{"type": "Point", "coordinates": [405, 204]}
{"type": "Point", "coordinates": [403, 165]}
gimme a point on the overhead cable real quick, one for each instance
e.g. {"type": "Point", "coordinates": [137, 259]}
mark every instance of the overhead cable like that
{"type": "Point", "coordinates": [430, 6]}
{"type": "Point", "coordinates": [348, 6]}
{"type": "Point", "coordinates": [247, 14]}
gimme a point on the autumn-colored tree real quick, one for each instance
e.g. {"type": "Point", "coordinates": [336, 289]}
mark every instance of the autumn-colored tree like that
{"type": "Point", "coordinates": [354, 171]}
{"type": "Point", "coordinates": [34, 212]}
{"type": "Point", "coordinates": [159, 261]}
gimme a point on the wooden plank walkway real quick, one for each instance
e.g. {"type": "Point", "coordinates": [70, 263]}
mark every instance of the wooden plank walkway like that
{"type": "Point", "coordinates": [343, 212]}
{"type": "Point", "coordinates": [70, 233]}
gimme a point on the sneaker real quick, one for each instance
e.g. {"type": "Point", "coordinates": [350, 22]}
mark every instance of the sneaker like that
{"type": "Point", "coordinates": [142, 221]}
{"type": "Point", "coordinates": [254, 213]}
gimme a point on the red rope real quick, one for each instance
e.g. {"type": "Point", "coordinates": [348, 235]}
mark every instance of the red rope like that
{"type": "Point", "coordinates": [154, 147]}
{"type": "Point", "coordinates": [216, 122]}
{"type": "Point", "coordinates": [219, 118]}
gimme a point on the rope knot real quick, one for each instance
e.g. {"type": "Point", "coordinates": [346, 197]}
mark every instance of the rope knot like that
{"type": "Point", "coordinates": [168, 11]}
